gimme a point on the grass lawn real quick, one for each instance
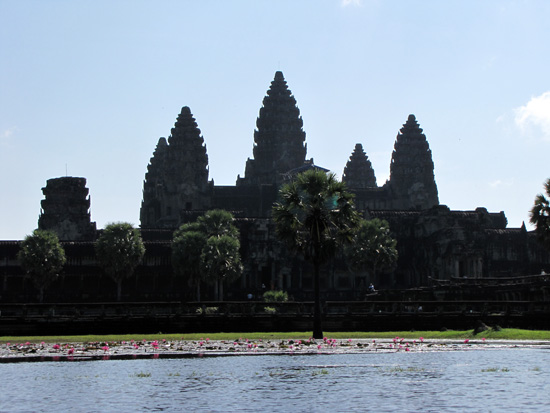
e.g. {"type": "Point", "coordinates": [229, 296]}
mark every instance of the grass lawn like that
{"type": "Point", "coordinates": [504, 334]}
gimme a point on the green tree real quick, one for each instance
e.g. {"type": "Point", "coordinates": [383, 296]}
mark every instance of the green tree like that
{"type": "Point", "coordinates": [208, 250]}
{"type": "Point", "coordinates": [218, 222]}
{"type": "Point", "coordinates": [275, 296]}
{"type": "Point", "coordinates": [221, 261]}
{"type": "Point", "coordinates": [540, 215]}
{"type": "Point", "coordinates": [42, 256]}
{"type": "Point", "coordinates": [315, 216]}
{"type": "Point", "coordinates": [187, 246]}
{"type": "Point", "coordinates": [373, 247]}
{"type": "Point", "coordinates": [119, 251]}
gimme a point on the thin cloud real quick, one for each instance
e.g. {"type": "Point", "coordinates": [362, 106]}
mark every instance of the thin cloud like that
{"type": "Point", "coordinates": [534, 117]}
{"type": "Point", "coordinates": [500, 184]}
{"type": "Point", "coordinates": [346, 3]}
{"type": "Point", "coordinates": [5, 135]}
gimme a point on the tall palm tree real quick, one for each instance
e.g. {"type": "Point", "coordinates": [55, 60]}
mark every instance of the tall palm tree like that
{"type": "Point", "coordinates": [42, 256]}
{"type": "Point", "coordinates": [540, 215]}
{"type": "Point", "coordinates": [373, 247]}
{"type": "Point", "coordinates": [119, 250]}
{"type": "Point", "coordinates": [314, 216]}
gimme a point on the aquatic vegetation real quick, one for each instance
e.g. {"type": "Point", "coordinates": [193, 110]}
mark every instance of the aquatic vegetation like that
{"type": "Point", "coordinates": [495, 370]}
{"type": "Point", "coordinates": [141, 374]}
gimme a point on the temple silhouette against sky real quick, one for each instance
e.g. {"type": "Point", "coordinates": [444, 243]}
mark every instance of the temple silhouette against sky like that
{"type": "Point", "coordinates": [435, 244]}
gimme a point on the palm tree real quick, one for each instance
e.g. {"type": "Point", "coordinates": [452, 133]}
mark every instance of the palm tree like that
{"type": "Point", "coordinates": [540, 215]}
{"type": "Point", "coordinates": [208, 249]}
{"type": "Point", "coordinates": [42, 256]}
{"type": "Point", "coordinates": [373, 247]}
{"type": "Point", "coordinates": [187, 248]}
{"type": "Point", "coordinates": [218, 222]}
{"type": "Point", "coordinates": [221, 262]}
{"type": "Point", "coordinates": [315, 215]}
{"type": "Point", "coordinates": [119, 250]}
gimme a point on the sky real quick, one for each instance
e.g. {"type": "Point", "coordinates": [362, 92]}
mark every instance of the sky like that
{"type": "Point", "coordinates": [88, 87]}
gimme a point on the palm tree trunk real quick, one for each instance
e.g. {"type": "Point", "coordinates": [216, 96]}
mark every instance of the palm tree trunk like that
{"type": "Point", "coordinates": [317, 322]}
{"type": "Point", "coordinates": [118, 289]}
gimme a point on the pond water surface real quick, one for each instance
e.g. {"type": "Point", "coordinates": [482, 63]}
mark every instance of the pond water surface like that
{"type": "Point", "coordinates": [474, 380]}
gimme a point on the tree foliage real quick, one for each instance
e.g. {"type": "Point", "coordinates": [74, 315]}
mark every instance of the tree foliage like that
{"type": "Point", "coordinates": [275, 296]}
{"type": "Point", "coordinates": [208, 250]}
{"type": "Point", "coordinates": [221, 260]}
{"type": "Point", "coordinates": [218, 222]}
{"type": "Point", "coordinates": [373, 247]}
{"type": "Point", "coordinates": [187, 247]}
{"type": "Point", "coordinates": [119, 250]}
{"type": "Point", "coordinates": [540, 215]}
{"type": "Point", "coordinates": [42, 256]}
{"type": "Point", "coordinates": [315, 216]}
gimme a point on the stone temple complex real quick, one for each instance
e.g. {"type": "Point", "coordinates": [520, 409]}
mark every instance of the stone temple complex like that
{"type": "Point", "coordinates": [435, 244]}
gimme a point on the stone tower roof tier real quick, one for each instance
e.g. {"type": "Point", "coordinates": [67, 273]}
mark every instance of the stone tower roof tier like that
{"type": "Point", "coordinates": [412, 180]}
{"type": "Point", "coordinates": [177, 175]}
{"type": "Point", "coordinates": [279, 140]}
{"type": "Point", "coordinates": [358, 172]}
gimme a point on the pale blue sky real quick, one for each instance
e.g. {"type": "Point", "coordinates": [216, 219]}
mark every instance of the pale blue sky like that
{"type": "Point", "coordinates": [88, 87]}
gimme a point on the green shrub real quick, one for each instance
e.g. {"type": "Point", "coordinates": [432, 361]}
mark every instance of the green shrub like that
{"type": "Point", "coordinates": [275, 296]}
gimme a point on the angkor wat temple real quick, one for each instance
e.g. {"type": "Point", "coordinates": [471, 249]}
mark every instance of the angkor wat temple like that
{"type": "Point", "coordinates": [435, 244]}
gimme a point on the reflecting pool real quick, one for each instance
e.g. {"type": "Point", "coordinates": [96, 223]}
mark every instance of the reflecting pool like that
{"type": "Point", "coordinates": [474, 380]}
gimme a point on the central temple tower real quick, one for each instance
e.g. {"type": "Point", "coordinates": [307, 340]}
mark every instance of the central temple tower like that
{"type": "Point", "coordinates": [279, 141]}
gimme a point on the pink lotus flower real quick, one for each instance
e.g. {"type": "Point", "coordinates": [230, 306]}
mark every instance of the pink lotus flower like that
{"type": "Point", "coordinates": [421, 339]}
{"type": "Point", "coordinates": [56, 346]}
{"type": "Point", "coordinates": [466, 341]}
{"type": "Point", "coordinates": [483, 339]}
{"type": "Point", "coordinates": [70, 351]}
{"type": "Point", "coordinates": [105, 348]}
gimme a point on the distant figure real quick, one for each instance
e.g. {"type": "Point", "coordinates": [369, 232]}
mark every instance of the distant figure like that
{"type": "Point", "coordinates": [371, 288]}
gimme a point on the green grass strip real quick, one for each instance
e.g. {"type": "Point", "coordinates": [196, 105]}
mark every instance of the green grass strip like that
{"type": "Point", "coordinates": [504, 334]}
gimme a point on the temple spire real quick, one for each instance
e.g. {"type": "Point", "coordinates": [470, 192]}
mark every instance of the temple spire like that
{"type": "Point", "coordinates": [279, 138]}
{"type": "Point", "coordinates": [412, 179]}
{"type": "Point", "coordinates": [358, 172]}
{"type": "Point", "coordinates": [177, 176]}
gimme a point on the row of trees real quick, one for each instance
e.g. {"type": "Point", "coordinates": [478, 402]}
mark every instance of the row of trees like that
{"type": "Point", "coordinates": [119, 250]}
{"type": "Point", "coordinates": [315, 217]}
{"type": "Point", "coordinates": [207, 249]}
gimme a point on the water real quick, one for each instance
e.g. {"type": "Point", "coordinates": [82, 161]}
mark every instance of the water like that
{"type": "Point", "coordinates": [475, 380]}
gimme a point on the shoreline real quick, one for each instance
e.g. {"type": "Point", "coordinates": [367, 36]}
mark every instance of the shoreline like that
{"type": "Point", "coordinates": [136, 350]}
